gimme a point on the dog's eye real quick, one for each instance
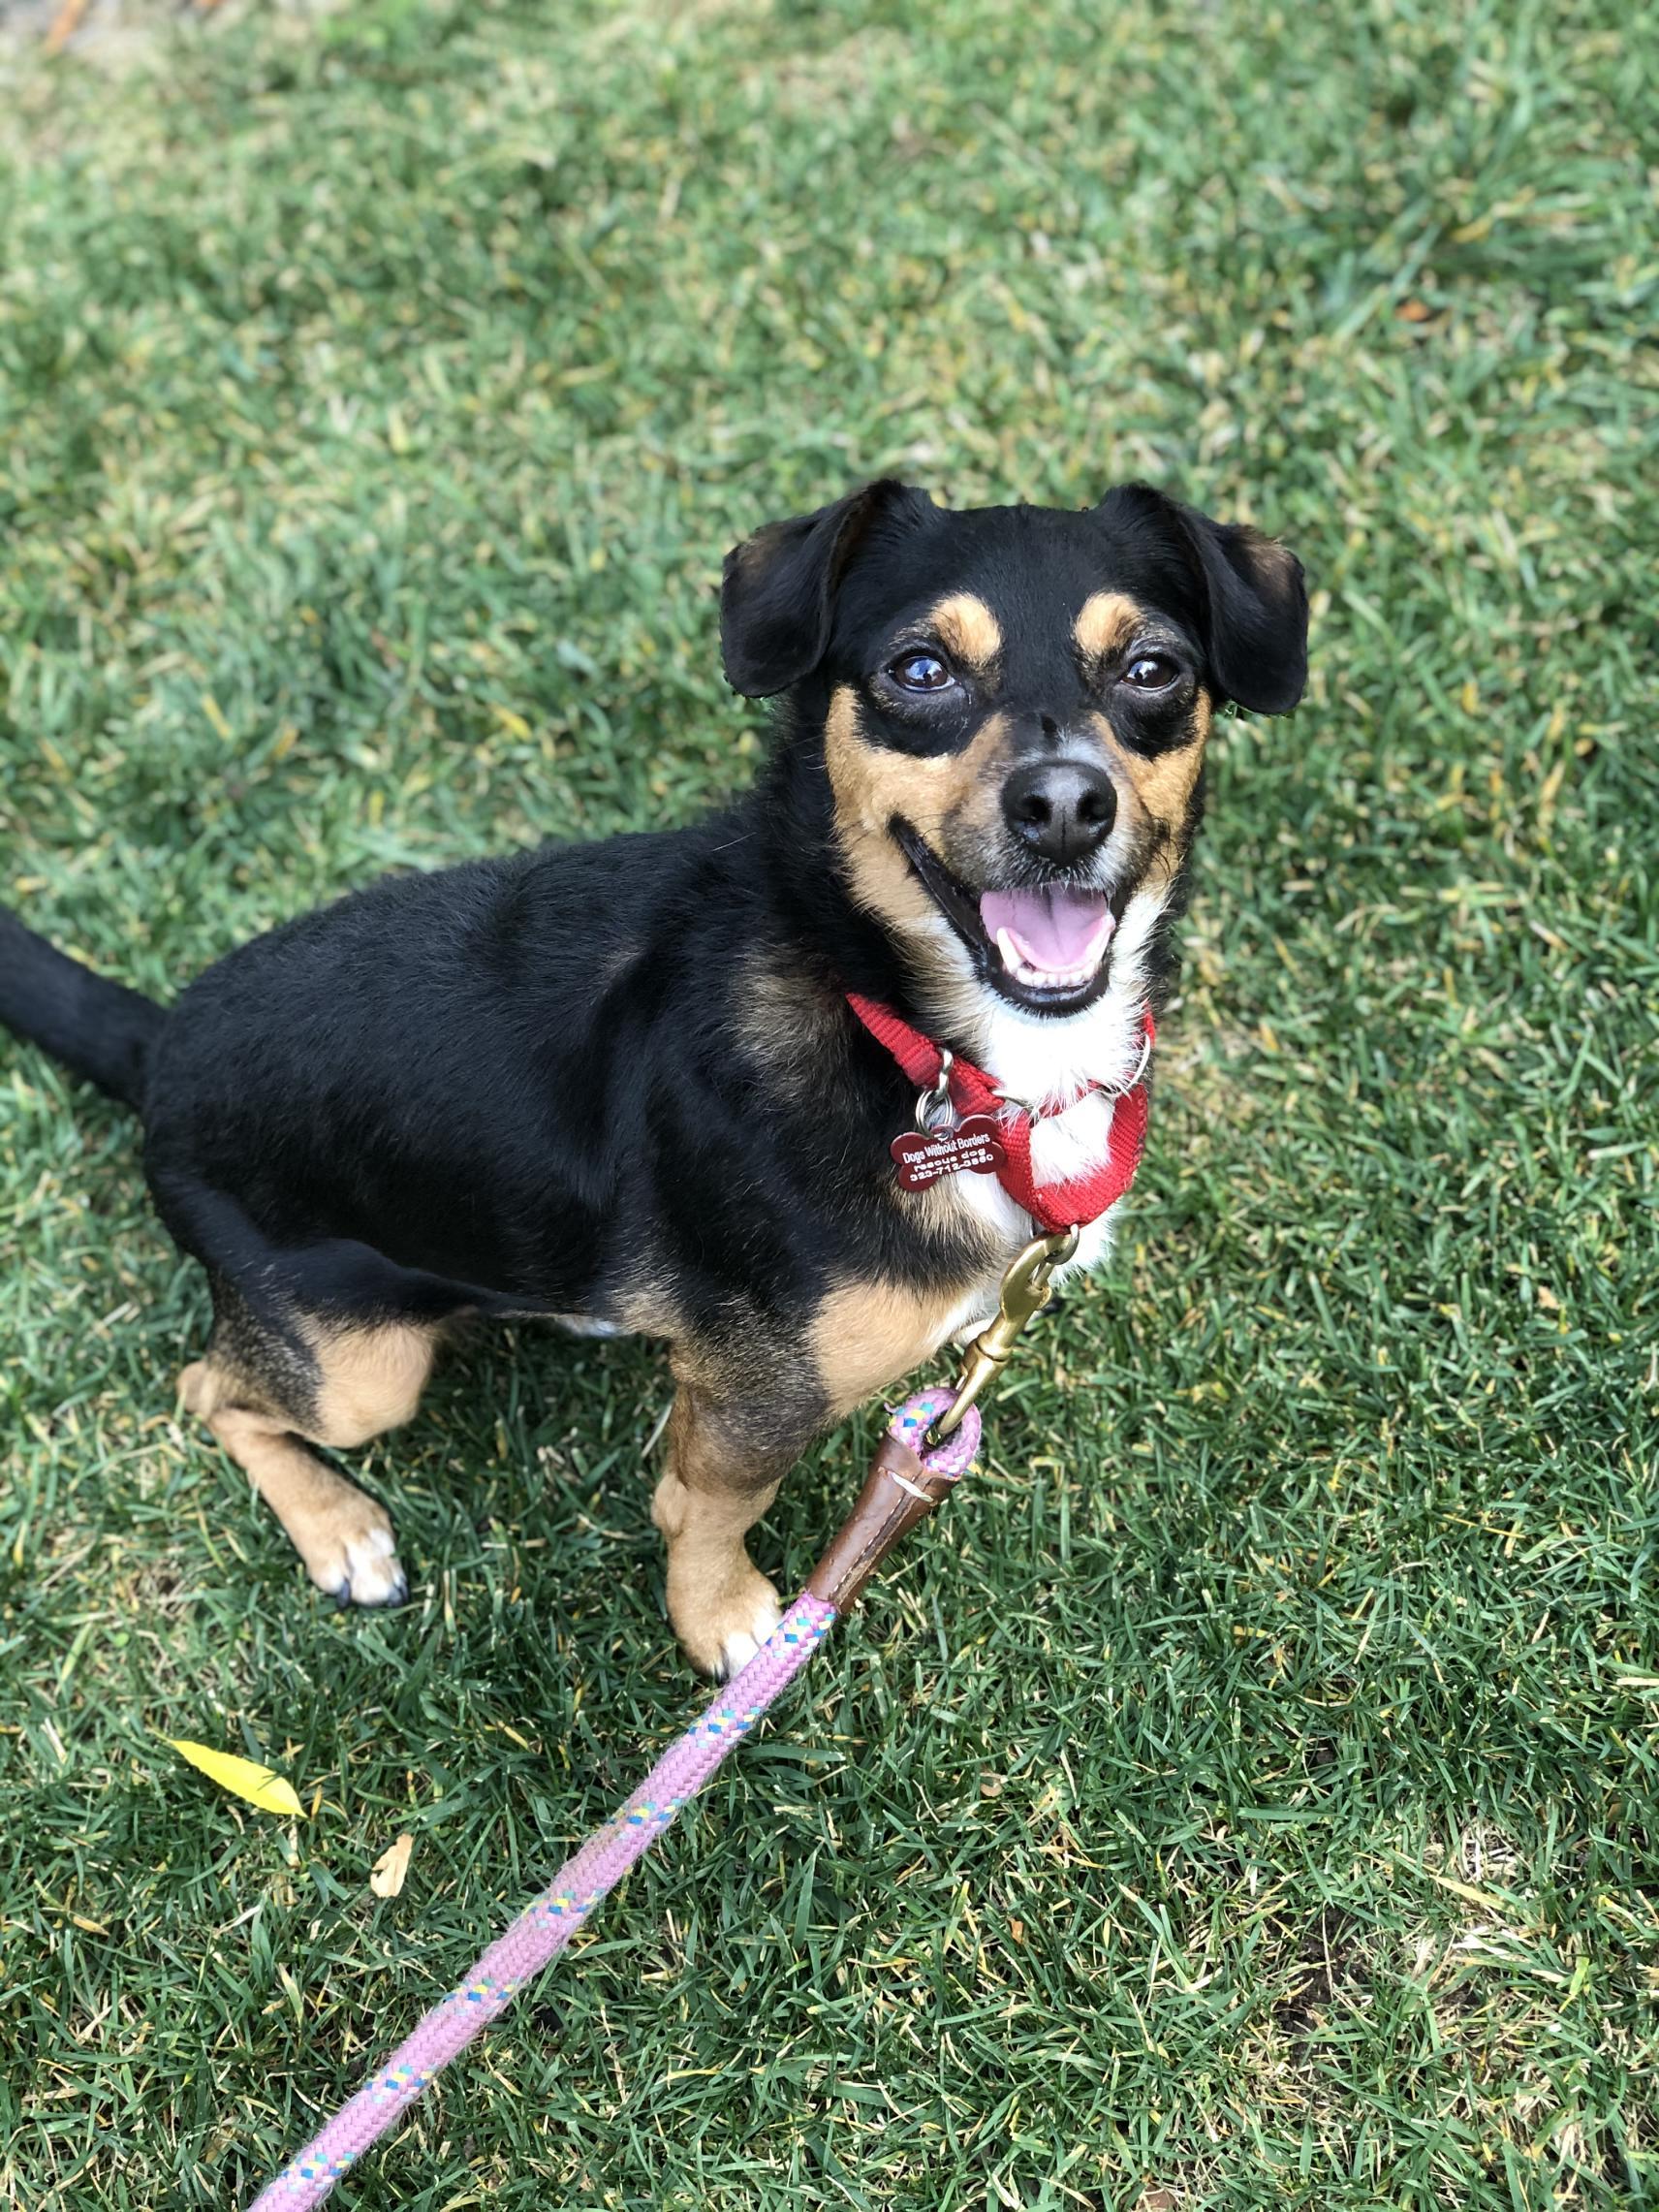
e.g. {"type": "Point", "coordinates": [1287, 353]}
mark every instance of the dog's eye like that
{"type": "Point", "coordinates": [1151, 672]}
{"type": "Point", "coordinates": [920, 671]}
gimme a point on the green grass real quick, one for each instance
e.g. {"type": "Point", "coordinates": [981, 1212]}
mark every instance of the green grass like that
{"type": "Point", "coordinates": [1246, 1795]}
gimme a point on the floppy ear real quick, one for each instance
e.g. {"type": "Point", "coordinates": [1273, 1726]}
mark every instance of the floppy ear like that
{"type": "Point", "coordinates": [777, 592]}
{"type": "Point", "coordinates": [1253, 599]}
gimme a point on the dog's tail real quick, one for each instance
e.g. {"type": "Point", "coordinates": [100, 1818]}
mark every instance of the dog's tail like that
{"type": "Point", "coordinates": [101, 1030]}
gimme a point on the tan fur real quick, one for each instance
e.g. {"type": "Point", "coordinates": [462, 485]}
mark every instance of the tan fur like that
{"type": "Point", "coordinates": [872, 783]}
{"type": "Point", "coordinates": [717, 1485]}
{"type": "Point", "coordinates": [867, 792]}
{"type": "Point", "coordinates": [794, 1029]}
{"type": "Point", "coordinates": [1159, 790]}
{"type": "Point", "coordinates": [867, 1336]}
{"type": "Point", "coordinates": [965, 626]}
{"type": "Point", "coordinates": [370, 1381]}
{"type": "Point", "coordinates": [1106, 622]}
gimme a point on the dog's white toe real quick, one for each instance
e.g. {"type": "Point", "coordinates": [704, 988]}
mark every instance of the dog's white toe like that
{"type": "Point", "coordinates": [767, 1615]}
{"type": "Point", "coordinates": [361, 1566]}
{"type": "Point", "coordinates": [740, 1647]}
{"type": "Point", "coordinates": [374, 1575]}
{"type": "Point", "coordinates": [735, 1652]}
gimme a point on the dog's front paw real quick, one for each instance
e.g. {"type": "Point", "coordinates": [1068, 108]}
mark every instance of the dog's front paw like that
{"type": "Point", "coordinates": [722, 1633]}
{"type": "Point", "coordinates": [351, 1555]}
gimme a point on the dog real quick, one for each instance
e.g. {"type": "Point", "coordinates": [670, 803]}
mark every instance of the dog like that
{"type": "Point", "coordinates": [629, 1086]}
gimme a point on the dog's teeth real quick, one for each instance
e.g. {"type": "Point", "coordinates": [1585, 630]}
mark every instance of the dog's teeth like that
{"type": "Point", "coordinates": [1050, 978]}
{"type": "Point", "coordinates": [1041, 978]}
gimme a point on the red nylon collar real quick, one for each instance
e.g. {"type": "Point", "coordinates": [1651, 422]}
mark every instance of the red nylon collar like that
{"type": "Point", "coordinates": [1052, 1205]}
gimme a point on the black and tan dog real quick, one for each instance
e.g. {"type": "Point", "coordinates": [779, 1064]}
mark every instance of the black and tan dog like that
{"type": "Point", "coordinates": [620, 1085]}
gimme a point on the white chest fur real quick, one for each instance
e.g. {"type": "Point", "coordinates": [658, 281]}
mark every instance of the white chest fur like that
{"type": "Point", "coordinates": [1047, 1064]}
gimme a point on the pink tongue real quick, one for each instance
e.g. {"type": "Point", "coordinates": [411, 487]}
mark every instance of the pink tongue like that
{"type": "Point", "coordinates": [1055, 929]}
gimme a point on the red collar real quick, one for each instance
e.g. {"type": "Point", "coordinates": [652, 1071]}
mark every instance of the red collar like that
{"type": "Point", "coordinates": [1052, 1205]}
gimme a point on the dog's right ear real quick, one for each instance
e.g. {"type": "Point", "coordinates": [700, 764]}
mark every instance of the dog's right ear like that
{"type": "Point", "coordinates": [777, 592]}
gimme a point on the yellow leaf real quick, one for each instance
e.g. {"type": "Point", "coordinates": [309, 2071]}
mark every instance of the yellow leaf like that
{"type": "Point", "coordinates": [245, 1778]}
{"type": "Point", "coordinates": [390, 1870]}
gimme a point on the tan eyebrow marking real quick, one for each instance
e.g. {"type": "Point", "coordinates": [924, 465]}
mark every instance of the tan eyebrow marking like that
{"type": "Point", "coordinates": [1106, 621]}
{"type": "Point", "coordinates": [966, 627]}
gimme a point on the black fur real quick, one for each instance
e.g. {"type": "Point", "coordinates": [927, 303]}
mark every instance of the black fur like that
{"type": "Point", "coordinates": [778, 588]}
{"type": "Point", "coordinates": [541, 1084]}
{"type": "Point", "coordinates": [1252, 609]}
{"type": "Point", "coordinates": [101, 1030]}
{"type": "Point", "coordinates": [493, 1085]}
{"type": "Point", "coordinates": [516, 1086]}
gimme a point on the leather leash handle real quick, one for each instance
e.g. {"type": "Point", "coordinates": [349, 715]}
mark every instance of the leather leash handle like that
{"type": "Point", "coordinates": [898, 1492]}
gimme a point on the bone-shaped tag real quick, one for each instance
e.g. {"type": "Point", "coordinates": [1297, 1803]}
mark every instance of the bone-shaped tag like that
{"type": "Point", "coordinates": [972, 1147]}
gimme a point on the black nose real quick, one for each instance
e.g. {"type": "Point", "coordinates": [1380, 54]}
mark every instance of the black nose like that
{"type": "Point", "coordinates": [1062, 808]}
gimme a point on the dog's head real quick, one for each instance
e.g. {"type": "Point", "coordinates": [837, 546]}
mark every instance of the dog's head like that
{"type": "Point", "coordinates": [1013, 703]}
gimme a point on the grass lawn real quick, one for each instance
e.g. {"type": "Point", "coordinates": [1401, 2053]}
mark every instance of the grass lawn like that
{"type": "Point", "coordinates": [1247, 1795]}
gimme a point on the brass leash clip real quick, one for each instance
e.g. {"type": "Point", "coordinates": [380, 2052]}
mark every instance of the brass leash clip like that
{"type": "Point", "coordinates": [1026, 1289]}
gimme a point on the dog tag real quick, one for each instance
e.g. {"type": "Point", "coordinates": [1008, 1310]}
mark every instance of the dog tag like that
{"type": "Point", "coordinates": [927, 1156]}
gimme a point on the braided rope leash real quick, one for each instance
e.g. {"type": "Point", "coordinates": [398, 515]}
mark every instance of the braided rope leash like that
{"type": "Point", "coordinates": [905, 1483]}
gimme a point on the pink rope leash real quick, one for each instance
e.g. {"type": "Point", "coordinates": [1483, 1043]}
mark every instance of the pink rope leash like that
{"type": "Point", "coordinates": [543, 1929]}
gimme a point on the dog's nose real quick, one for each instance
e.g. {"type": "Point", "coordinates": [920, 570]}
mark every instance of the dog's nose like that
{"type": "Point", "coordinates": [1062, 808]}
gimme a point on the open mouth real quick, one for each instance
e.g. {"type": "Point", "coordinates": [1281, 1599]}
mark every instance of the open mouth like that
{"type": "Point", "coordinates": [1046, 949]}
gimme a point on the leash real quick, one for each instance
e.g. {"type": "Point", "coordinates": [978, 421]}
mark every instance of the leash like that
{"type": "Point", "coordinates": [928, 1446]}
{"type": "Point", "coordinates": [910, 1476]}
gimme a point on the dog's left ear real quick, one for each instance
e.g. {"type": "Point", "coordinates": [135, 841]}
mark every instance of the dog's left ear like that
{"type": "Point", "coordinates": [777, 592]}
{"type": "Point", "coordinates": [1252, 593]}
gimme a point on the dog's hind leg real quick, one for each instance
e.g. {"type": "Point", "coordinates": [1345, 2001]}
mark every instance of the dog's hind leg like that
{"type": "Point", "coordinates": [266, 1392]}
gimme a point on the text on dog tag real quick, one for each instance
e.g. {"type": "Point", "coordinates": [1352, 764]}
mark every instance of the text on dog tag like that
{"type": "Point", "coordinates": [925, 1156]}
